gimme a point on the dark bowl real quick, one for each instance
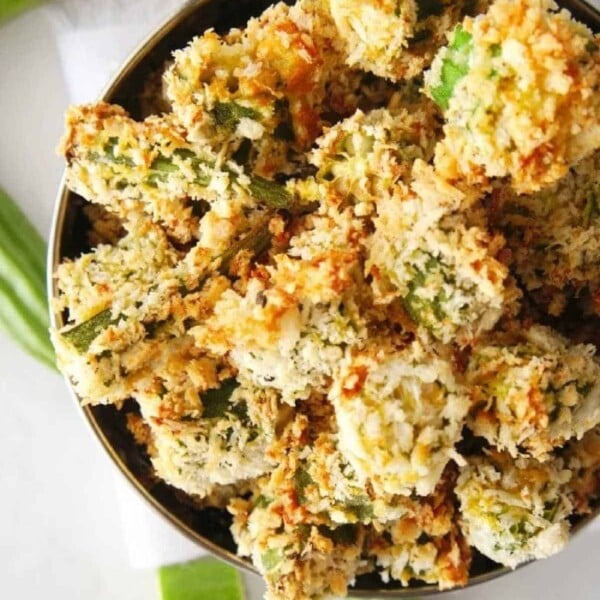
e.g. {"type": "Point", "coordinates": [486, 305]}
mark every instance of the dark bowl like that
{"type": "Point", "coordinates": [208, 527]}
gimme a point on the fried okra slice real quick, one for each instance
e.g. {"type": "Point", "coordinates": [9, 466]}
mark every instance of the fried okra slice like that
{"type": "Point", "coordinates": [129, 355]}
{"type": "Point", "coordinates": [426, 543]}
{"type": "Point", "coordinates": [221, 440]}
{"type": "Point", "coordinates": [317, 478]}
{"type": "Point", "coordinates": [107, 294]}
{"type": "Point", "coordinates": [554, 234]}
{"type": "Point", "coordinates": [144, 320]}
{"type": "Point", "coordinates": [533, 393]}
{"type": "Point", "coordinates": [298, 561]}
{"type": "Point", "coordinates": [124, 301]}
{"type": "Point", "coordinates": [582, 457]}
{"type": "Point", "coordinates": [363, 156]}
{"type": "Point", "coordinates": [287, 330]}
{"type": "Point", "coordinates": [375, 32]}
{"type": "Point", "coordinates": [396, 39]}
{"type": "Point", "coordinates": [265, 83]}
{"type": "Point", "coordinates": [445, 273]}
{"type": "Point", "coordinates": [302, 525]}
{"type": "Point", "coordinates": [116, 162]}
{"type": "Point", "coordinates": [129, 307]}
{"type": "Point", "coordinates": [121, 275]}
{"type": "Point", "coordinates": [150, 168]}
{"type": "Point", "coordinates": [512, 510]}
{"type": "Point", "coordinates": [279, 342]}
{"type": "Point", "coordinates": [399, 415]}
{"type": "Point", "coordinates": [518, 87]}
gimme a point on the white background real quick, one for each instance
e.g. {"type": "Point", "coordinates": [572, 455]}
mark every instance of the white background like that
{"type": "Point", "coordinates": [61, 535]}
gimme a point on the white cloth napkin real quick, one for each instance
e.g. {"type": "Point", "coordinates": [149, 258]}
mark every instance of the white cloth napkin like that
{"type": "Point", "coordinates": [94, 38]}
{"type": "Point", "coordinates": [151, 540]}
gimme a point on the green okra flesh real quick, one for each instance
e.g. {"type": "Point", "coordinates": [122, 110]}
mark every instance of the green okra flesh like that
{"type": "Point", "coordinates": [166, 170]}
{"type": "Point", "coordinates": [82, 335]}
{"type": "Point", "coordinates": [455, 66]}
{"type": "Point", "coordinates": [204, 579]}
{"type": "Point", "coordinates": [229, 114]}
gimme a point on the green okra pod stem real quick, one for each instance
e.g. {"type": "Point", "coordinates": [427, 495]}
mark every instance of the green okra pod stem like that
{"type": "Point", "coordinates": [21, 239]}
{"type": "Point", "coordinates": [12, 8]}
{"type": "Point", "coordinates": [25, 329]}
{"type": "Point", "coordinates": [23, 304]}
{"type": "Point", "coordinates": [269, 193]}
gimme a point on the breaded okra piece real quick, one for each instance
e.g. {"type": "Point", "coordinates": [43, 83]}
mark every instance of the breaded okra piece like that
{"type": "Point", "coordinates": [375, 31]}
{"type": "Point", "coordinates": [424, 544]}
{"type": "Point", "coordinates": [362, 157]}
{"type": "Point", "coordinates": [122, 275]}
{"type": "Point", "coordinates": [129, 302]}
{"type": "Point", "coordinates": [445, 272]}
{"type": "Point", "coordinates": [221, 439]}
{"type": "Point", "coordinates": [150, 168]}
{"type": "Point", "coordinates": [519, 89]}
{"type": "Point", "coordinates": [129, 329]}
{"type": "Point", "coordinates": [107, 294]}
{"type": "Point", "coordinates": [299, 560]}
{"type": "Point", "coordinates": [265, 83]}
{"type": "Point", "coordinates": [397, 39]}
{"type": "Point", "coordinates": [287, 330]}
{"type": "Point", "coordinates": [533, 393]}
{"type": "Point", "coordinates": [317, 478]}
{"type": "Point", "coordinates": [554, 235]}
{"type": "Point", "coordinates": [399, 414]}
{"type": "Point", "coordinates": [109, 358]}
{"type": "Point", "coordinates": [512, 510]}
{"type": "Point", "coordinates": [129, 306]}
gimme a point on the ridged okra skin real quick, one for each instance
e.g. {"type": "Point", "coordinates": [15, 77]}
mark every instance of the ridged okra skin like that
{"type": "Point", "coordinates": [23, 305]}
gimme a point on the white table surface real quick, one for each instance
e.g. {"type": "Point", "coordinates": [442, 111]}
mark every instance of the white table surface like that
{"type": "Point", "coordinates": [60, 532]}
